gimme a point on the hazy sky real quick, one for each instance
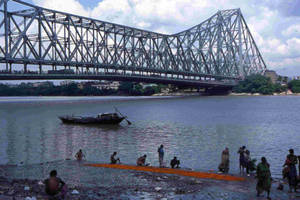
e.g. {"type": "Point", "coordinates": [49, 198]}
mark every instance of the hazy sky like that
{"type": "Point", "coordinates": [274, 24]}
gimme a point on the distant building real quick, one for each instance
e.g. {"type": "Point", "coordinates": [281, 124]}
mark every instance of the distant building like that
{"type": "Point", "coordinates": [40, 84]}
{"type": "Point", "coordinates": [272, 75]}
{"type": "Point", "coordinates": [148, 85]}
{"type": "Point", "coordinates": [283, 80]}
{"type": "Point", "coordinates": [296, 78]}
{"type": "Point", "coordinates": [67, 82]}
{"type": "Point", "coordinates": [101, 85]}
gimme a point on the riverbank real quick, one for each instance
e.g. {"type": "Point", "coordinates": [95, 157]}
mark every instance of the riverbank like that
{"type": "Point", "coordinates": [101, 183]}
{"type": "Point", "coordinates": [258, 94]}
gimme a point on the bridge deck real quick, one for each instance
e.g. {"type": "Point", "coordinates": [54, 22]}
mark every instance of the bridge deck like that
{"type": "Point", "coordinates": [113, 77]}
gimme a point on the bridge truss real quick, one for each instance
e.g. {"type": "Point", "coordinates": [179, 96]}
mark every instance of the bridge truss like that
{"type": "Point", "coordinates": [38, 40]}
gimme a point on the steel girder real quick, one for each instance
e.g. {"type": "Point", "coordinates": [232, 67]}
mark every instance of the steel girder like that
{"type": "Point", "coordinates": [221, 46]}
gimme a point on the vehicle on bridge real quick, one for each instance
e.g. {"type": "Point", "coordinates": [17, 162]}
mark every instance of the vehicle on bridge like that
{"type": "Point", "coordinates": [61, 71]}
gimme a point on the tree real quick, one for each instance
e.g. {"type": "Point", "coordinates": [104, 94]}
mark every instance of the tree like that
{"type": "Point", "coordinates": [258, 84]}
{"type": "Point", "coordinates": [294, 85]}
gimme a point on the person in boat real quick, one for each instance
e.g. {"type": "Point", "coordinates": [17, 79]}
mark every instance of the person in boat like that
{"type": "Point", "coordinates": [54, 186]}
{"type": "Point", "coordinates": [174, 162]}
{"type": "Point", "coordinates": [263, 175]}
{"type": "Point", "coordinates": [241, 151]}
{"type": "Point", "coordinates": [161, 155]}
{"type": "Point", "coordinates": [247, 161]}
{"type": "Point", "coordinates": [141, 161]}
{"type": "Point", "coordinates": [291, 162]}
{"type": "Point", "coordinates": [224, 166]}
{"type": "Point", "coordinates": [79, 155]}
{"type": "Point", "coordinates": [114, 160]}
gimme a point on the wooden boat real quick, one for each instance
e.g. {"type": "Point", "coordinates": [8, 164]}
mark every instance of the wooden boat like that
{"type": "Point", "coordinates": [105, 118]}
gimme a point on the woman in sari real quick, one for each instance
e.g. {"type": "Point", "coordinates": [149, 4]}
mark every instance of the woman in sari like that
{"type": "Point", "coordinates": [264, 177]}
{"type": "Point", "coordinates": [224, 166]}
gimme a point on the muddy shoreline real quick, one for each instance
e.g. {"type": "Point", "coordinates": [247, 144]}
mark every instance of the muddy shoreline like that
{"type": "Point", "coordinates": [20, 182]}
{"type": "Point", "coordinates": [158, 186]}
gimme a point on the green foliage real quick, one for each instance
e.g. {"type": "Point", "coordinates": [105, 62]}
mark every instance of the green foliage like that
{"type": "Point", "coordinates": [49, 89]}
{"type": "Point", "coordinates": [126, 87]}
{"type": "Point", "coordinates": [294, 85]}
{"type": "Point", "coordinates": [136, 89]}
{"type": "Point", "coordinates": [258, 84]}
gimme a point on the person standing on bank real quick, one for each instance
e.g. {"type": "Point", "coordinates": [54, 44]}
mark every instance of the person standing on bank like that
{"type": "Point", "coordinates": [161, 155]}
{"type": "Point", "coordinates": [247, 161]}
{"type": "Point", "coordinates": [263, 175]}
{"type": "Point", "coordinates": [291, 163]}
{"type": "Point", "coordinates": [299, 165]}
{"type": "Point", "coordinates": [241, 151]}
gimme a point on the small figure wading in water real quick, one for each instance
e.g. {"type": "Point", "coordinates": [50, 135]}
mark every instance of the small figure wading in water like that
{"type": "Point", "coordinates": [141, 161]}
{"type": "Point", "coordinates": [79, 155]}
{"type": "Point", "coordinates": [224, 166]}
{"type": "Point", "coordinates": [263, 175]}
{"type": "Point", "coordinates": [241, 151]}
{"type": "Point", "coordinates": [114, 160]}
{"type": "Point", "coordinates": [161, 155]}
{"type": "Point", "coordinates": [291, 172]}
{"type": "Point", "coordinates": [174, 162]}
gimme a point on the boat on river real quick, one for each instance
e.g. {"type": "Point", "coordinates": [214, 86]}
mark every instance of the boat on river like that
{"type": "Point", "coordinates": [104, 118]}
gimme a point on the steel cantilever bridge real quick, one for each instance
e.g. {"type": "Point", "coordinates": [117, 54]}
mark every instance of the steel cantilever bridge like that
{"type": "Point", "coordinates": [38, 43]}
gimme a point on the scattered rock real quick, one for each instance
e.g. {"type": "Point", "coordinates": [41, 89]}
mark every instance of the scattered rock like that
{"type": "Point", "coordinates": [11, 192]}
{"type": "Point", "coordinates": [179, 191]}
{"type": "Point", "coordinates": [74, 192]}
{"type": "Point", "coordinates": [26, 188]}
{"type": "Point", "coordinates": [40, 183]}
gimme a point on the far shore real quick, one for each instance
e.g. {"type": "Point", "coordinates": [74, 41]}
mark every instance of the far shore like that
{"type": "Point", "coordinates": [258, 94]}
{"type": "Point", "coordinates": [172, 94]}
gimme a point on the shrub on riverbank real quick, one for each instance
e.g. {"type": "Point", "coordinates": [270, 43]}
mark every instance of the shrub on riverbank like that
{"type": "Point", "coordinates": [294, 85]}
{"type": "Point", "coordinates": [258, 84]}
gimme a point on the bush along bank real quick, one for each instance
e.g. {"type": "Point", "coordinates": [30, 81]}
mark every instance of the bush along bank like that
{"type": "Point", "coordinates": [259, 84]}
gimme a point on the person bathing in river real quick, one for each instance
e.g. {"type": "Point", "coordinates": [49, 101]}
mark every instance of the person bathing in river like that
{"type": "Point", "coordinates": [241, 151]}
{"type": "Point", "coordinates": [247, 161]}
{"type": "Point", "coordinates": [291, 162]}
{"type": "Point", "coordinates": [224, 166]}
{"type": "Point", "coordinates": [141, 161]}
{"type": "Point", "coordinates": [161, 155]}
{"type": "Point", "coordinates": [55, 186]}
{"type": "Point", "coordinates": [174, 162]}
{"type": "Point", "coordinates": [263, 175]}
{"type": "Point", "coordinates": [79, 155]}
{"type": "Point", "coordinates": [114, 160]}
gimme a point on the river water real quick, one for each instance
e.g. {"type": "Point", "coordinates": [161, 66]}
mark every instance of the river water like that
{"type": "Point", "coordinates": [195, 129]}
